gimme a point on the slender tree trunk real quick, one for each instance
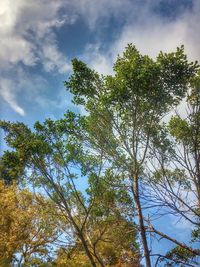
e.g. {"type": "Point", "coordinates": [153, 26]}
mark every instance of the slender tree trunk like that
{"type": "Point", "coordinates": [78, 231]}
{"type": "Point", "coordinates": [198, 180]}
{"type": "Point", "coordinates": [182, 245]}
{"type": "Point", "coordinates": [87, 251]}
{"type": "Point", "coordinates": [99, 260]}
{"type": "Point", "coordinates": [95, 253]}
{"type": "Point", "coordinates": [141, 221]}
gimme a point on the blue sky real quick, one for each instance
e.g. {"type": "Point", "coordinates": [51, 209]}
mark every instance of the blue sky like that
{"type": "Point", "coordinates": [39, 38]}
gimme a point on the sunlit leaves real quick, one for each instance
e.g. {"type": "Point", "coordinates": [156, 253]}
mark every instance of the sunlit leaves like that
{"type": "Point", "coordinates": [27, 226]}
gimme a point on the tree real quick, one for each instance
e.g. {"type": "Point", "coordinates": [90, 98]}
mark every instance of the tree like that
{"type": "Point", "coordinates": [111, 223]}
{"type": "Point", "coordinates": [27, 228]}
{"type": "Point", "coordinates": [176, 182]}
{"type": "Point", "coordinates": [115, 245]}
{"type": "Point", "coordinates": [187, 135]}
{"type": "Point", "coordinates": [12, 164]}
{"type": "Point", "coordinates": [120, 150]}
{"type": "Point", "coordinates": [52, 158]}
{"type": "Point", "coordinates": [125, 110]}
{"type": "Point", "coordinates": [57, 162]}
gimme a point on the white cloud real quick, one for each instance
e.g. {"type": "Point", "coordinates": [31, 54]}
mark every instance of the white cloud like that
{"type": "Point", "coordinates": [53, 60]}
{"type": "Point", "coordinates": [27, 33]}
{"type": "Point", "coordinates": [97, 60]}
{"type": "Point", "coordinates": [27, 37]}
{"type": "Point", "coordinates": [96, 11]}
{"type": "Point", "coordinates": [6, 92]}
{"type": "Point", "coordinates": [25, 28]}
{"type": "Point", "coordinates": [152, 33]}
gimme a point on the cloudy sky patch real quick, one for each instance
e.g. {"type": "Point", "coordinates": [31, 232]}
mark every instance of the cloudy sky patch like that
{"type": "Point", "coordinates": [39, 38]}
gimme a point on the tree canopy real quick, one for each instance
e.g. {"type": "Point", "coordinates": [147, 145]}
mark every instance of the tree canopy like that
{"type": "Point", "coordinates": [101, 180]}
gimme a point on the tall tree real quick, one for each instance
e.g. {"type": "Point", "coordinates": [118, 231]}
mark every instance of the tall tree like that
{"type": "Point", "coordinates": [124, 110]}
{"type": "Point", "coordinates": [52, 158]}
{"type": "Point", "coordinates": [56, 161]}
{"type": "Point", "coordinates": [175, 181]}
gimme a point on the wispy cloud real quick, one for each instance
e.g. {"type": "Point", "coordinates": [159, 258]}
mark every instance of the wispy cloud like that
{"type": "Point", "coordinates": [28, 35]}
{"type": "Point", "coordinates": [96, 13]}
{"type": "Point", "coordinates": [6, 92]}
{"type": "Point", "coordinates": [27, 39]}
{"type": "Point", "coordinates": [151, 32]}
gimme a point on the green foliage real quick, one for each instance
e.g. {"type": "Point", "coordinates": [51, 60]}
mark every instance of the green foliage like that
{"type": "Point", "coordinates": [180, 254]}
{"type": "Point", "coordinates": [11, 167]}
{"type": "Point", "coordinates": [172, 176]}
{"type": "Point", "coordinates": [180, 129]}
{"type": "Point", "coordinates": [82, 81]}
{"type": "Point", "coordinates": [161, 83]}
{"type": "Point", "coordinates": [55, 158]}
{"type": "Point", "coordinates": [124, 117]}
{"type": "Point", "coordinates": [186, 131]}
{"type": "Point", "coordinates": [108, 149]}
{"type": "Point", "coordinates": [125, 109]}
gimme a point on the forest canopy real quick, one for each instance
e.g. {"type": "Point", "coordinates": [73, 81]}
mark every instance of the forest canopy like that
{"type": "Point", "coordinates": [92, 189]}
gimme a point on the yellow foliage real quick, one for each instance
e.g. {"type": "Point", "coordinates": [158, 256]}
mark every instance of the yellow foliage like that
{"type": "Point", "coordinates": [72, 258]}
{"type": "Point", "coordinates": [26, 226]}
{"type": "Point", "coordinates": [114, 247]}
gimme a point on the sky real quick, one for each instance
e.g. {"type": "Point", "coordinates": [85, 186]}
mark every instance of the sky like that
{"type": "Point", "coordinates": [38, 40]}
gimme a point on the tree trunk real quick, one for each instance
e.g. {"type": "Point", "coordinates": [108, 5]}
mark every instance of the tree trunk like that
{"type": "Point", "coordinates": [99, 260]}
{"type": "Point", "coordinates": [87, 251]}
{"type": "Point", "coordinates": [198, 180]}
{"type": "Point", "coordinates": [141, 221]}
{"type": "Point", "coordinates": [78, 231]}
